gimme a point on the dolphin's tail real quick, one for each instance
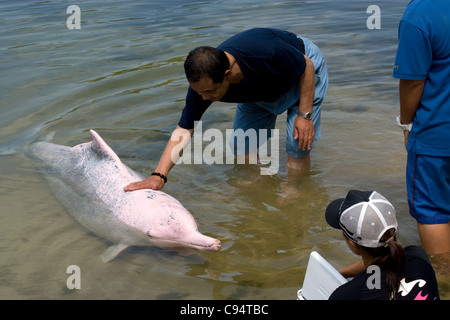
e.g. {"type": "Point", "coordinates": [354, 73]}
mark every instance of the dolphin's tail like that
{"type": "Point", "coordinates": [17, 145]}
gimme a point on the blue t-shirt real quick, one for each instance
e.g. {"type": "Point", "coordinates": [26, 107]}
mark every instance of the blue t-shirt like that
{"type": "Point", "coordinates": [270, 61]}
{"type": "Point", "coordinates": [424, 54]}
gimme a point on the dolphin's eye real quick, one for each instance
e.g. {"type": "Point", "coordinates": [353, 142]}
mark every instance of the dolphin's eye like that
{"type": "Point", "coordinates": [149, 235]}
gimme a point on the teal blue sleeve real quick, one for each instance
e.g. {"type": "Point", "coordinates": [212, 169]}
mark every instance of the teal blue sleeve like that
{"type": "Point", "coordinates": [414, 53]}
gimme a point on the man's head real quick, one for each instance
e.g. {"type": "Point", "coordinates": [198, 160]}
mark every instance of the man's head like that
{"type": "Point", "coordinates": [206, 69]}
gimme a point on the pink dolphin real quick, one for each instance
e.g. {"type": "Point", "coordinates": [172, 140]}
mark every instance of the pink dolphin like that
{"type": "Point", "coordinates": [88, 179]}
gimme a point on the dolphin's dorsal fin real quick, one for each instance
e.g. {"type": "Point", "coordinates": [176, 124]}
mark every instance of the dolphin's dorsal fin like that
{"type": "Point", "coordinates": [100, 147]}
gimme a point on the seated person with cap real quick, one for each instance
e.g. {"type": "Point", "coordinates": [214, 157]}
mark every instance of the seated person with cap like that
{"type": "Point", "coordinates": [387, 270]}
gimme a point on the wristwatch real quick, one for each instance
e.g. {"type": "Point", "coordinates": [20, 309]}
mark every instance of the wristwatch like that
{"type": "Point", "coordinates": [404, 127]}
{"type": "Point", "coordinates": [305, 115]}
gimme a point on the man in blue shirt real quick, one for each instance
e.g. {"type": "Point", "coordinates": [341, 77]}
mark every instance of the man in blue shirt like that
{"type": "Point", "coordinates": [423, 66]}
{"type": "Point", "coordinates": [267, 72]}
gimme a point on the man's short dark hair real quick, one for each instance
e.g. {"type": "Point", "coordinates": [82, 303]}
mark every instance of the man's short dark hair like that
{"type": "Point", "coordinates": [206, 62]}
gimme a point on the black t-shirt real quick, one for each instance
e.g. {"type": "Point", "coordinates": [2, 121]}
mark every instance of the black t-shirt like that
{"type": "Point", "coordinates": [270, 61]}
{"type": "Point", "coordinates": [419, 282]}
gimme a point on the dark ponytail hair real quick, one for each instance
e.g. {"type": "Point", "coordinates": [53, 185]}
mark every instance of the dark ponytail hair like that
{"type": "Point", "coordinates": [391, 259]}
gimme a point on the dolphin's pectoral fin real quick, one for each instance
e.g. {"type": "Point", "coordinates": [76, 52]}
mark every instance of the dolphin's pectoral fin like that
{"type": "Point", "coordinates": [113, 251]}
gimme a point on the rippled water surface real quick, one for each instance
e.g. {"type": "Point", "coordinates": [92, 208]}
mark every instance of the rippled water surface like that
{"type": "Point", "coordinates": [122, 75]}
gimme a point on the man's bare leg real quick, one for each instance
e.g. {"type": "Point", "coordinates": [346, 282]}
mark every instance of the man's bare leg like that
{"type": "Point", "coordinates": [297, 169]}
{"type": "Point", "coordinates": [247, 164]}
{"type": "Point", "coordinates": [298, 165]}
{"type": "Point", "coordinates": [436, 242]}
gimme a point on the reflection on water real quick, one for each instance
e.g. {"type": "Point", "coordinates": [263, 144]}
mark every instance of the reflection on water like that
{"type": "Point", "coordinates": [122, 75]}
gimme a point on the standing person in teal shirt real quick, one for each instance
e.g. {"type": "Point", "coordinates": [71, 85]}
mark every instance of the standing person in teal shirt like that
{"type": "Point", "coordinates": [423, 66]}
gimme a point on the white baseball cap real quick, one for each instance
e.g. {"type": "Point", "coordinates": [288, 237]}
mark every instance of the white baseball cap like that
{"type": "Point", "coordinates": [364, 216]}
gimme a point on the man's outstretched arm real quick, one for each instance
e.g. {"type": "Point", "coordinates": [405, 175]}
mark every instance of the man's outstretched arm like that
{"type": "Point", "coordinates": [173, 151]}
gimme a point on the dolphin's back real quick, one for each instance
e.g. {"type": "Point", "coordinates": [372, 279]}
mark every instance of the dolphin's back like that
{"type": "Point", "coordinates": [89, 183]}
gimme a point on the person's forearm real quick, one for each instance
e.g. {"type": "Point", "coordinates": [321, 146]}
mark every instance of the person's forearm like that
{"type": "Point", "coordinates": [174, 149]}
{"type": "Point", "coordinates": [352, 270]}
{"type": "Point", "coordinates": [307, 87]}
{"type": "Point", "coordinates": [410, 94]}
{"type": "Point", "coordinates": [303, 128]}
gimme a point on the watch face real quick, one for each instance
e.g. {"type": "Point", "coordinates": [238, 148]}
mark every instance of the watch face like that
{"type": "Point", "coordinates": [305, 115]}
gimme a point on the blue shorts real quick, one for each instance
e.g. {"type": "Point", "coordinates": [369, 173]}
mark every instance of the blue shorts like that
{"type": "Point", "coordinates": [428, 185]}
{"type": "Point", "coordinates": [263, 115]}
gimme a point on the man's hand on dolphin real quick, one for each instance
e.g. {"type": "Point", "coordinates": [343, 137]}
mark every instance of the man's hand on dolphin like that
{"type": "Point", "coordinates": [179, 139]}
{"type": "Point", "coordinates": [152, 182]}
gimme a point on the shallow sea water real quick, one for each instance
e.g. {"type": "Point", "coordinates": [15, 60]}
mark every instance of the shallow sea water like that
{"type": "Point", "coordinates": [122, 75]}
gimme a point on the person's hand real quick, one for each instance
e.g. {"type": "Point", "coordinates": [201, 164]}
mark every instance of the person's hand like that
{"type": "Point", "coordinates": [304, 132]}
{"type": "Point", "coordinates": [152, 182]}
{"type": "Point", "coordinates": [406, 134]}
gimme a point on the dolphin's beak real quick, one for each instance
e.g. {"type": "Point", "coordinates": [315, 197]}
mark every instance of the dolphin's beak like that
{"type": "Point", "coordinates": [216, 246]}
